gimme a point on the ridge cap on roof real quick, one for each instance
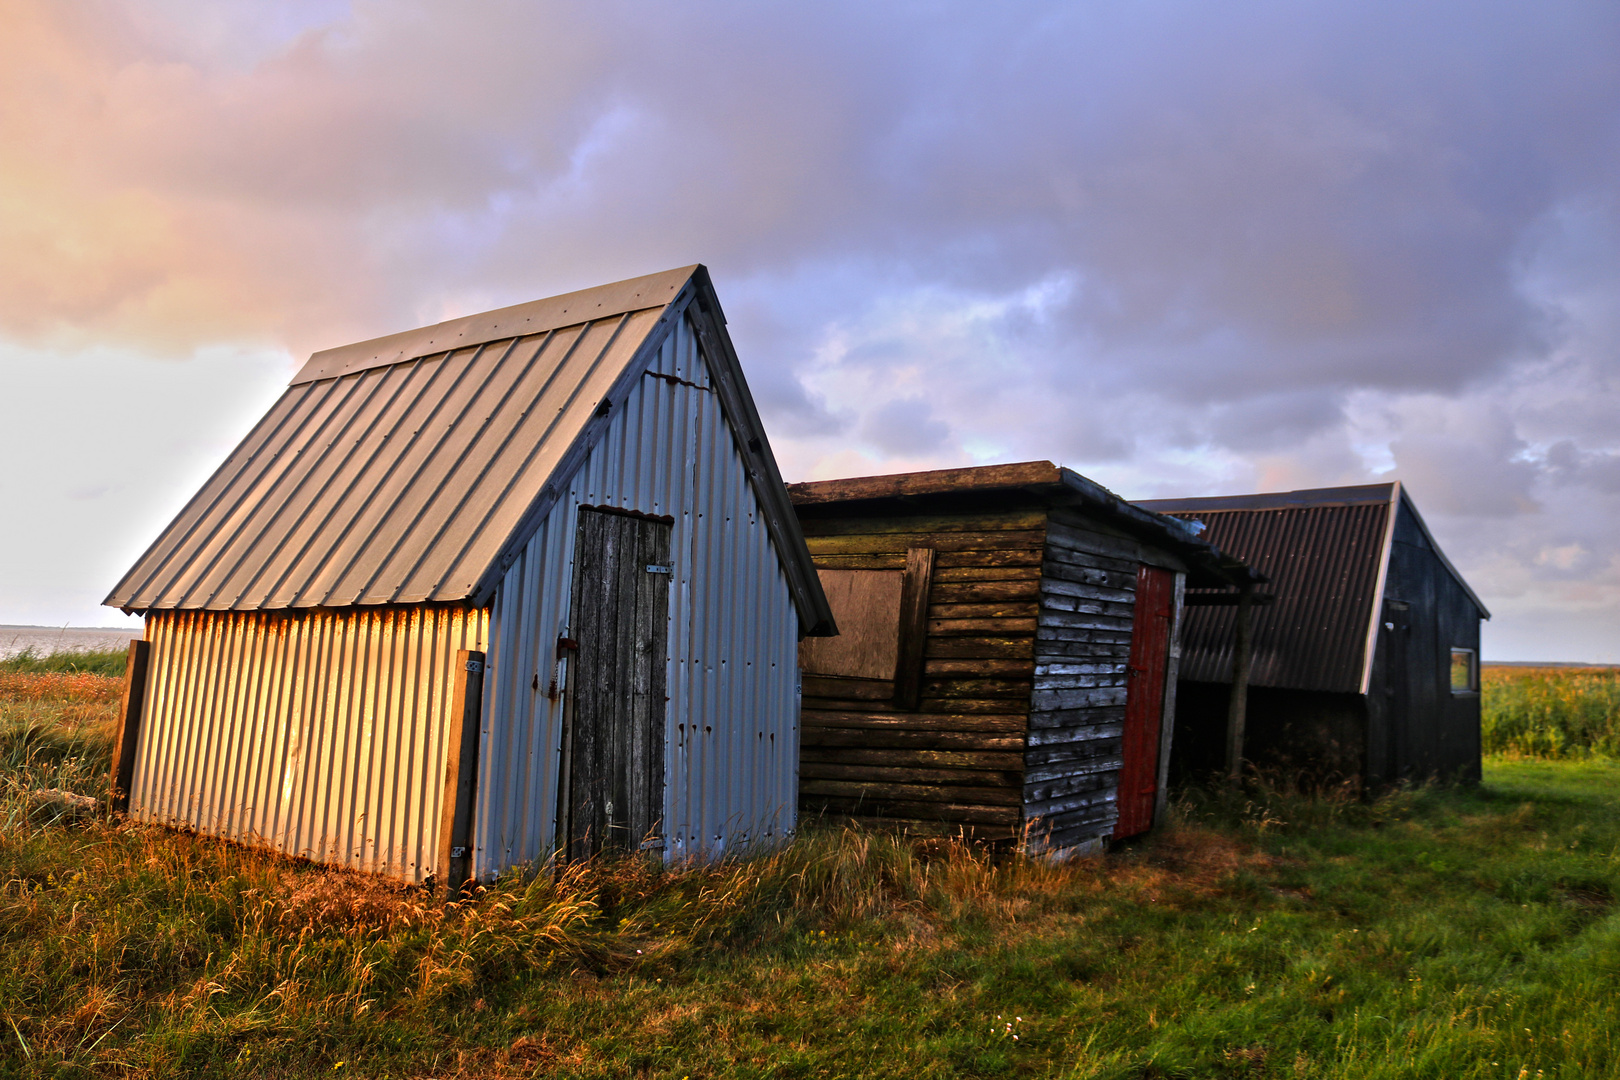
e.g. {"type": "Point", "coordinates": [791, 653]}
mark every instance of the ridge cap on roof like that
{"type": "Point", "coordinates": [1342, 495]}
{"type": "Point", "coordinates": [516, 320]}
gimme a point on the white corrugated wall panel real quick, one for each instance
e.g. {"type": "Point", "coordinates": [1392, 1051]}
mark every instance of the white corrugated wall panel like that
{"type": "Point", "coordinates": [731, 766]}
{"type": "Point", "coordinates": [318, 734]}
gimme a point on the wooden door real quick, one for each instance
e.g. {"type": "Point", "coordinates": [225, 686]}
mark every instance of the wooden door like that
{"type": "Point", "coordinates": [614, 747]}
{"type": "Point", "coordinates": [1144, 698]}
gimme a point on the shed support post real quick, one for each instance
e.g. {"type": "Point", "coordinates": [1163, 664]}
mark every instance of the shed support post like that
{"type": "Point", "coordinates": [1172, 672]}
{"type": "Point", "coordinates": [460, 774]}
{"type": "Point", "coordinates": [129, 725]}
{"type": "Point", "coordinates": [1237, 709]}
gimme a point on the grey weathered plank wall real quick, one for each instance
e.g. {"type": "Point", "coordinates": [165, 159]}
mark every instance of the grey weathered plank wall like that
{"type": "Point", "coordinates": [1019, 730]}
{"type": "Point", "coordinates": [1077, 711]}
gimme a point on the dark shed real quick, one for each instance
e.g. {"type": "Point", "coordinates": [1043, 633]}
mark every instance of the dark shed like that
{"type": "Point", "coordinates": [1007, 653]}
{"type": "Point", "coordinates": [1366, 665]}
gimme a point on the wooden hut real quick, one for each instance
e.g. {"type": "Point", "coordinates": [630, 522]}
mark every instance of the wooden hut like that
{"type": "Point", "coordinates": [1006, 658]}
{"type": "Point", "coordinates": [476, 591]}
{"type": "Point", "coordinates": [1366, 665]}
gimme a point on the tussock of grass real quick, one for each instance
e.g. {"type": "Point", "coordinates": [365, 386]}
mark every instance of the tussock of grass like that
{"type": "Point", "coordinates": [56, 731]}
{"type": "Point", "coordinates": [1551, 712]}
{"type": "Point", "coordinates": [1437, 932]}
{"type": "Point", "coordinates": [109, 662]}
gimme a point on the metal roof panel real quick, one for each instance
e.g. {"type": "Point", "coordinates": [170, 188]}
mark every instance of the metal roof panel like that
{"type": "Point", "coordinates": [385, 475]}
{"type": "Point", "coordinates": [390, 484]}
{"type": "Point", "coordinates": [1323, 562]}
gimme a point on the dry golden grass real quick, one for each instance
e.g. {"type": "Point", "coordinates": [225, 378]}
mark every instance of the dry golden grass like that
{"type": "Point", "coordinates": [1434, 932]}
{"type": "Point", "coordinates": [76, 687]}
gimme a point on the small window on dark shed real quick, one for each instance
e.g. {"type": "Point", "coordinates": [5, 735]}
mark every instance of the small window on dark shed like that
{"type": "Point", "coordinates": [866, 606]}
{"type": "Point", "coordinates": [1464, 671]}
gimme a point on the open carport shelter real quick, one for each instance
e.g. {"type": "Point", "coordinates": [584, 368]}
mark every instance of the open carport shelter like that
{"type": "Point", "coordinates": [1006, 661]}
{"type": "Point", "coordinates": [1366, 664]}
{"type": "Point", "coordinates": [469, 593]}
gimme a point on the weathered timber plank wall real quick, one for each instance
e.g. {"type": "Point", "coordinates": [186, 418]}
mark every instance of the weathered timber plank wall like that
{"type": "Point", "coordinates": [1077, 708]}
{"type": "Point", "coordinates": [1077, 713]}
{"type": "Point", "coordinates": [957, 761]}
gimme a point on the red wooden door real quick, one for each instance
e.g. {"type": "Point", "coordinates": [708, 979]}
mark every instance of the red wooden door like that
{"type": "Point", "coordinates": [1144, 698]}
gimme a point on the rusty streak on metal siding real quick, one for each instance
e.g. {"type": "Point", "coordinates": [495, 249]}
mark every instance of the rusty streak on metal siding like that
{"type": "Point", "coordinates": [1324, 564]}
{"type": "Point", "coordinates": [317, 734]}
{"type": "Point", "coordinates": [732, 720]}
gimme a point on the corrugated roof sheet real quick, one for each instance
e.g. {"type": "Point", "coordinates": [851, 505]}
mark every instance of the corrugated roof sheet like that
{"type": "Point", "coordinates": [1323, 555]}
{"type": "Point", "coordinates": [392, 473]}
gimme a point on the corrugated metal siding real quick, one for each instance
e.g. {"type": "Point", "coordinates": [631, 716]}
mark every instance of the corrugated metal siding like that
{"type": "Point", "coordinates": [392, 485]}
{"type": "Point", "coordinates": [319, 735]}
{"type": "Point", "coordinates": [1323, 563]}
{"type": "Point", "coordinates": [732, 748]}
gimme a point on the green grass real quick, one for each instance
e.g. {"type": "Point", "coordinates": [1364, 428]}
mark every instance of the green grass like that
{"type": "Point", "coordinates": [90, 661]}
{"type": "Point", "coordinates": [1434, 933]}
{"type": "Point", "coordinates": [1551, 712]}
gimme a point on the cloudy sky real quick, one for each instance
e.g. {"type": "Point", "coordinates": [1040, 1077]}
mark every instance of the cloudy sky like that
{"type": "Point", "coordinates": [1184, 247]}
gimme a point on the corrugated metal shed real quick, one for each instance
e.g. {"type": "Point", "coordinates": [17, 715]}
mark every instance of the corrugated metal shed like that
{"type": "Point", "coordinates": [400, 471]}
{"type": "Point", "coordinates": [1351, 675]}
{"type": "Point", "coordinates": [424, 493]}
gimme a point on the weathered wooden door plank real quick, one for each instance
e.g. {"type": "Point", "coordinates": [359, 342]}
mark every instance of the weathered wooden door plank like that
{"type": "Point", "coordinates": [616, 727]}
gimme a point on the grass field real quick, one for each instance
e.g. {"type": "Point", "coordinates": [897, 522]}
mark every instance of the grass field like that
{"type": "Point", "coordinates": [1551, 712]}
{"type": "Point", "coordinates": [88, 661]}
{"type": "Point", "coordinates": [1434, 933]}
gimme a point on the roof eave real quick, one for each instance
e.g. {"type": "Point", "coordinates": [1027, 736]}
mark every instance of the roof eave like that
{"type": "Point", "coordinates": [737, 403]}
{"type": "Point", "coordinates": [1047, 484]}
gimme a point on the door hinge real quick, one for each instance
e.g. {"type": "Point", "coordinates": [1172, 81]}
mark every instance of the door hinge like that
{"type": "Point", "coordinates": [654, 568]}
{"type": "Point", "coordinates": [458, 853]}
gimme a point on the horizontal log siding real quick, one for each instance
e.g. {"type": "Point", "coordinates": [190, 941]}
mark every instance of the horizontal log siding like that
{"type": "Point", "coordinates": [1077, 710]}
{"type": "Point", "coordinates": [957, 763]}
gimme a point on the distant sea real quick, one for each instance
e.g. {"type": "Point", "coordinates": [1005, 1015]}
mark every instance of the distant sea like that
{"type": "Point", "coordinates": [49, 639]}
